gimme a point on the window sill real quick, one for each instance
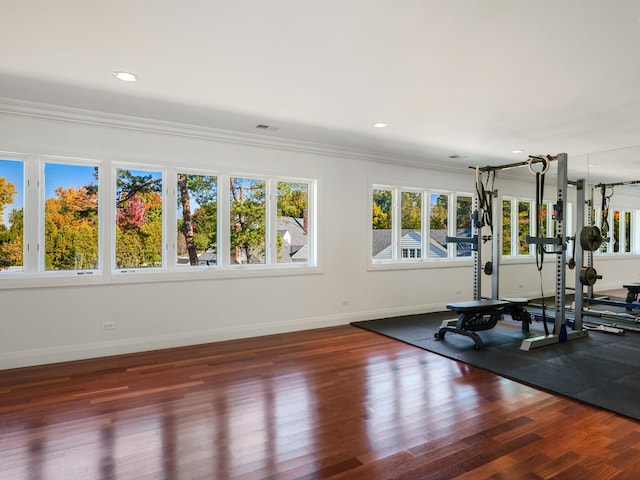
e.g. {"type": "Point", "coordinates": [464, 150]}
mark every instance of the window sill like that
{"type": "Point", "coordinates": [420, 264]}
{"type": "Point", "coordinates": [68, 279]}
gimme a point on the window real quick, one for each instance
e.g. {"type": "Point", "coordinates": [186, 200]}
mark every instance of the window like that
{"type": "Point", "coordinates": [617, 227]}
{"type": "Point", "coordinates": [439, 223]}
{"type": "Point", "coordinates": [382, 240]}
{"type": "Point", "coordinates": [292, 222]}
{"type": "Point", "coordinates": [506, 227]}
{"type": "Point", "coordinates": [138, 225]}
{"type": "Point", "coordinates": [524, 223]}
{"type": "Point", "coordinates": [627, 232]}
{"type": "Point", "coordinates": [524, 227]}
{"type": "Point", "coordinates": [411, 229]}
{"type": "Point", "coordinates": [197, 220]}
{"type": "Point", "coordinates": [464, 207]}
{"type": "Point", "coordinates": [65, 228]}
{"type": "Point", "coordinates": [71, 217]}
{"type": "Point", "coordinates": [11, 216]}
{"type": "Point", "coordinates": [409, 225]}
{"type": "Point", "coordinates": [247, 221]}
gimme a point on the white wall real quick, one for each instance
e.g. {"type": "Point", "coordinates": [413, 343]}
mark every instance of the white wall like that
{"type": "Point", "coordinates": [49, 324]}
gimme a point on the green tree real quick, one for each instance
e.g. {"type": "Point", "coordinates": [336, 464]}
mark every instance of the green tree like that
{"type": "Point", "coordinates": [439, 216]}
{"type": "Point", "coordinates": [381, 209]}
{"type": "Point", "coordinates": [292, 199]}
{"type": "Point", "coordinates": [247, 233]}
{"type": "Point", "coordinates": [203, 189]}
{"type": "Point", "coordinates": [411, 210]}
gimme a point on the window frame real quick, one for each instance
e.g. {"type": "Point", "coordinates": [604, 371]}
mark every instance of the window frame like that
{"type": "Point", "coordinates": [33, 273]}
{"type": "Point", "coordinates": [41, 191]}
{"type": "Point", "coordinates": [423, 257]}
{"type": "Point", "coordinates": [632, 234]}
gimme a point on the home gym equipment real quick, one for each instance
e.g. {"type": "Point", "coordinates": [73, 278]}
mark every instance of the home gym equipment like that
{"type": "Point", "coordinates": [559, 242]}
{"type": "Point", "coordinates": [592, 238]}
{"type": "Point", "coordinates": [479, 315]}
{"type": "Point", "coordinates": [483, 314]}
{"type": "Point", "coordinates": [632, 291]}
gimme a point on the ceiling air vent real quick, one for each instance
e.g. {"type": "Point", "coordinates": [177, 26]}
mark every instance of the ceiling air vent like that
{"type": "Point", "coordinates": [262, 126]}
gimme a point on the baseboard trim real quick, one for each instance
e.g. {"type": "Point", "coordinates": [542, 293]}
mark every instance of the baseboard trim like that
{"type": "Point", "coordinates": [66, 353]}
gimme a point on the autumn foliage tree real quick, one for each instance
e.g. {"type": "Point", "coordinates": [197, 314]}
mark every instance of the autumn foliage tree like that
{"type": "Point", "coordinates": [71, 229]}
{"type": "Point", "coordinates": [10, 236]}
{"type": "Point", "coordinates": [138, 220]}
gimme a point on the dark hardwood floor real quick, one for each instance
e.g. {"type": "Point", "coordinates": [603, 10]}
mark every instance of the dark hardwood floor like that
{"type": "Point", "coordinates": [335, 403]}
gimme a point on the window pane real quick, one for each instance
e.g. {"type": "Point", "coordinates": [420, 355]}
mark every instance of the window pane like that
{"type": "Point", "coordinates": [11, 215]}
{"type": "Point", "coordinates": [138, 219]}
{"type": "Point", "coordinates": [381, 224]}
{"type": "Point", "coordinates": [197, 220]}
{"type": "Point", "coordinates": [293, 222]}
{"type": "Point", "coordinates": [627, 232]}
{"type": "Point", "coordinates": [605, 229]}
{"type": "Point", "coordinates": [464, 205]}
{"type": "Point", "coordinates": [542, 221]}
{"type": "Point", "coordinates": [506, 227]}
{"type": "Point", "coordinates": [438, 223]}
{"type": "Point", "coordinates": [616, 231]}
{"type": "Point", "coordinates": [411, 206]}
{"type": "Point", "coordinates": [71, 217]}
{"type": "Point", "coordinates": [247, 233]}
{"type": "Point", "coordinates": [524, 209]}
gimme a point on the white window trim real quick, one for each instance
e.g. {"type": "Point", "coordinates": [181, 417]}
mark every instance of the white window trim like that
{"type": "Point", "coordinates": [426, 260]}
{"type": "Point", "coordinates": [33, 274]}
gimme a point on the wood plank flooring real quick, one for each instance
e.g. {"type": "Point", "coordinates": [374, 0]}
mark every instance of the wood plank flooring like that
{"type": "Point", "coordinates": [335, 403]}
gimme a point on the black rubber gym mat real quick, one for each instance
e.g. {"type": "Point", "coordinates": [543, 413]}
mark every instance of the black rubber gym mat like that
{"type": "Point", "coordinates": [601, 369]}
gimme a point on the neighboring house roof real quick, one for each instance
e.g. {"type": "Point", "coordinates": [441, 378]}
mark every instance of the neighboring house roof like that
{"type": "Point", "coordinates": [381, 243]}
{"type": "Point", "coordinates": [207, 258]}
{"type": "Point", "coordinates": [294, 240]}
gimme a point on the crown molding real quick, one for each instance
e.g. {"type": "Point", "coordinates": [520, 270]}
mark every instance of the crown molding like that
{"type": "Point", "coordinates": [44, 111]}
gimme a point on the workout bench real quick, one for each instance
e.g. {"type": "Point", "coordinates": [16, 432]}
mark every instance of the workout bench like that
{"type": "Point", "coordinates": [479, 315]}
{"type": "Point", "coordinates": [632, 291]}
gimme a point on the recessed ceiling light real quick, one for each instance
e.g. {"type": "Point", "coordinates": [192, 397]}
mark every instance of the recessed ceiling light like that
{"type": "Point", "coordinates": [380, 124]}
{"type": "Point", "coordinates": [126, 76]}
{"type": "Point", "coordinates": [517, 151]}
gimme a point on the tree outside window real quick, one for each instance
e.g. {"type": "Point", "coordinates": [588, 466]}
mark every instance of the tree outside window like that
{"type": "Point", "coordinates": [248, 221]}
{"type": "Point", "coordinates": [197, 220]}
{"type": "Point", "coordinates": [11, 215]}
{"type": "Point", "coordinates": [71, 217]}
{"type": "Point", "coordinates": [138, 219]}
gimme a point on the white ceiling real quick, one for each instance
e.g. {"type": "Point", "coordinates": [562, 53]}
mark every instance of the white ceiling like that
{"type": "Point", "coordinates": [474, 78]}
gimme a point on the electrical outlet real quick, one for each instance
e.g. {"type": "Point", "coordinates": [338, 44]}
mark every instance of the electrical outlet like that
{"type": "Point", "coordinates": [108, 325]}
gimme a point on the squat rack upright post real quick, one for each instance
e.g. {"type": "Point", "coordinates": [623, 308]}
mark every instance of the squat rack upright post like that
{"type": "Point", "coordinates": [560, 333]}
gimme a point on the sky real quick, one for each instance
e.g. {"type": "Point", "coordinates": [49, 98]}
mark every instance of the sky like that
{"type": "Point", "coordinates": [13, 172]}
{"type": "Point", "coordinates": [56, 175]}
